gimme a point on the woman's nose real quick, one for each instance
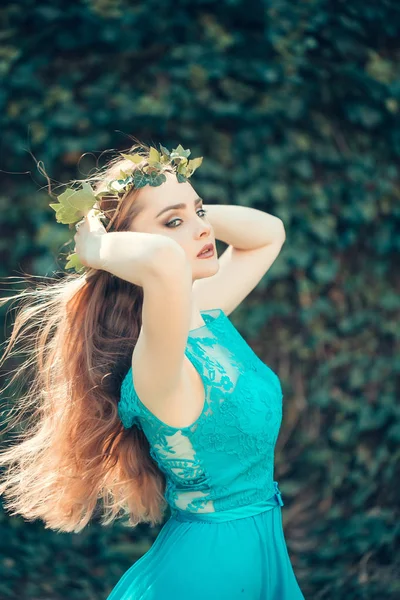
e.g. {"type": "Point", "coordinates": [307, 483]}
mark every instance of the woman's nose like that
{"type": "Point", "coordinates": [204, 227]}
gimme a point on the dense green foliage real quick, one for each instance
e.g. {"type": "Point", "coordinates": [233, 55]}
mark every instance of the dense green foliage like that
{"type": "Point", "coordinates": [295, 108]}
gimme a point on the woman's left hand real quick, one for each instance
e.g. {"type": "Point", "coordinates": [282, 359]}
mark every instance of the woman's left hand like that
{"type": "Point", "coordinates": [88, 239]}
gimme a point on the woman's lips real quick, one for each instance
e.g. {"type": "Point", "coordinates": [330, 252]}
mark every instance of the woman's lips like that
{"type": "Point", "coordinates": [208, 254]}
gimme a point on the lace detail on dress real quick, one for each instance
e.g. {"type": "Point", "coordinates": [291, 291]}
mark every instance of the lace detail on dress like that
{"type": "Point", "coordinates": [225, 458]}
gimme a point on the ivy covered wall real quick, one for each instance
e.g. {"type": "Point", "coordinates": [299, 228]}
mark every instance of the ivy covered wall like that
{"type": "Point", "coordinates": [295, 108]}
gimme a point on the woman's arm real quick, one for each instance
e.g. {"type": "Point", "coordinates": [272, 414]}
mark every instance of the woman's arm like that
{"type": "Point", "coordinates": [135, 256]}
{"type": "Point", "coordinates": [131, 255]}
{"type": "Point", "coordinates": [244, 227]}
{"type": "Point", "coordinates": [254, 240]}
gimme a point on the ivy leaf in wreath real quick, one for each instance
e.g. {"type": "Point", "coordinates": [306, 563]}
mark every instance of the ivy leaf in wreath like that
{"type": "Point", "coordinates": [155, 179]}
{"type": "Point", "coordinates": [74, 262]}
{"type": "Point", "coordinates": [73, 205]}
{"type": "Point", "coordinates": [180, 152]}
{"type": "Point", "coordinates": [140, 179]}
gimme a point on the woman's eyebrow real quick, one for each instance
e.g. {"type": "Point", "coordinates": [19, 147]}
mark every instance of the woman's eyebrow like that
{"type": "Point", "coordinates": [179, 206]}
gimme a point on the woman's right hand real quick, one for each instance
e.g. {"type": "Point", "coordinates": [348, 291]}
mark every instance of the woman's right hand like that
{"type": "Point", "coordinates": [88, 238]}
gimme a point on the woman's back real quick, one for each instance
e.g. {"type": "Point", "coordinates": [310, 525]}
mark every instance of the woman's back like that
{"type": "Point", "coordinates": [224, 539]}
{"type": "Point", "coordinates": [224, 459]}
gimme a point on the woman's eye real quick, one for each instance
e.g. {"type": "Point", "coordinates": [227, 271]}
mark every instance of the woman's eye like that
{"type": "Point", "coordinates": [203, 210]}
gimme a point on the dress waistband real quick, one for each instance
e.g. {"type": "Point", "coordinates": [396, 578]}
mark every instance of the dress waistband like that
{"type": "Point", "coordinates": [238, 512]}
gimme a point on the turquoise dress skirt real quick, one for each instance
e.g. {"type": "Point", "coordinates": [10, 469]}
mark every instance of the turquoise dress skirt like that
{"type": "Point", "coordinates": [224, 538]}
{"type": "Point", "coordinates": [242, 558]}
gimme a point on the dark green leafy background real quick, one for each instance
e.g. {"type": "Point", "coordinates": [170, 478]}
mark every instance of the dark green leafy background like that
{"type": "Point", "coordinates": [295, 108]}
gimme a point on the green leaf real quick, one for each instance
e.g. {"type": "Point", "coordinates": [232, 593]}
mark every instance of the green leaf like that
{"type": "Point", "coordinates": [181, 178]}
{"type": "Point", "coordinates": [156, 179]}
{"type": "Point", "coordinates": [74, 204]}
{"type": "Point", "coordinates": [154, 156]}
{"type": "Point", "coordinates": [74, 263]}
{"type": "Point", "coordinates": [135, 158]}
{"type": "Point", "coordinates": [194, 164]}
{"type": "Point", "coordinates": [140, 179]}
{"type": "Point", "coordinates": [165, 151]}
{"type": "Point", "coordinates": [182, 167]}
{"type": "Point", "coordinates": [62, 214]}
{"type": "Point", "coordinates": [179, 152]}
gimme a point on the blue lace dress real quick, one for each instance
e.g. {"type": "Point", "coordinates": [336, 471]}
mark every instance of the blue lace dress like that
{"type": "Point", "coordinates": [224, 539]}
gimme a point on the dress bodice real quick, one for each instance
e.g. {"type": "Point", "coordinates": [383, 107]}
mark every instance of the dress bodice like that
{"type": "Point", "coordinates": [225, 458]}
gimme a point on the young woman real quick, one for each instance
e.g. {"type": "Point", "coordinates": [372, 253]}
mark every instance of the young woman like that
{"type": "Point", "coordinates": [146, 396]}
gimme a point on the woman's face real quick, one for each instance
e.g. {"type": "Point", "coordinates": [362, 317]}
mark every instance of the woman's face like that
{"type": "Point", "coordinates": [188, 225]}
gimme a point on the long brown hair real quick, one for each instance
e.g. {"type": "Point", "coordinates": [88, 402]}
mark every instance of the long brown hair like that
{"type": "Point", "coordinates": [78, 333]}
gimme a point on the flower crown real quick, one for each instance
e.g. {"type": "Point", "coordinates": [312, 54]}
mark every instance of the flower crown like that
{"type": "Point", "coordinates": [74, 204]}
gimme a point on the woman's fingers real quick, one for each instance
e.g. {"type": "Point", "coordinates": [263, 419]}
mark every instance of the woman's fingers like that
{"type": "Point", "coordinates": [91, 223]}
{"type": "Point", "coordinates": [88, 240]}
{"type": "Point", "coordinates": [94, 222]}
